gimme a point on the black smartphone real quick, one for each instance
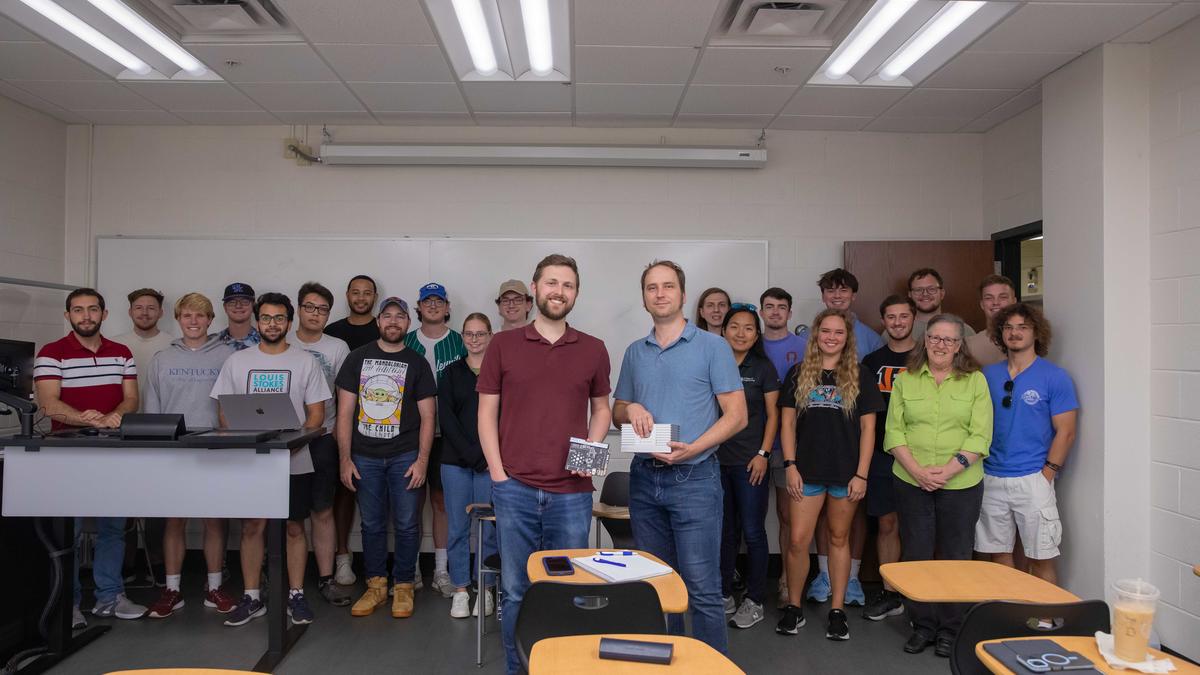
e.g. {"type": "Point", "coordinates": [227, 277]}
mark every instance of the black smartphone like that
{"type": "Point", "coordinates": [558, 566]}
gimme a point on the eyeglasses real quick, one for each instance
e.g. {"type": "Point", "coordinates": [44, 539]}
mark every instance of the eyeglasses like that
{"type": "Point", "coordinates": [238, 302]}
{"type": "Point", "coordinates": [475, 335]}
{"type": "Point", "coordinates": [1007, 401]}
{"type": "Point", "coordinates": [277, 318]}
{"type": "Point", "coordinates": [315, 309]}
{"type": "Point", "coordinates": [1016, 328]}
{"type": "Point", "coordinates": [939, 340]}
{"type": "Point", "coordinates": [742, 307]}
{"type": "Point", "coordinates": [512, 302]}
{"type": "Point", "coordinates": [927, 290]}
{"type": "Point", "coordinates": [433, 302]}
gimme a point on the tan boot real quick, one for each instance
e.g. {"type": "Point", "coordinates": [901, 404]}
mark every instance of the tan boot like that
{"type": "Point", "coordinates": [375, 596]}
{"type": "Point", "coordinates": [402, 601]}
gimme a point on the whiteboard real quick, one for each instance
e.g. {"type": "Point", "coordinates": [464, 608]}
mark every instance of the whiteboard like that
{"type": "Point", "coordinates": [609, 305]}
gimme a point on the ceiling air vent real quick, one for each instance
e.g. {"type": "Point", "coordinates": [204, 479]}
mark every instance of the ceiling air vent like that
{"type": "Point", "coordinates": [815, 23]}
{"type": "Point", "coordinates": [225, 20]}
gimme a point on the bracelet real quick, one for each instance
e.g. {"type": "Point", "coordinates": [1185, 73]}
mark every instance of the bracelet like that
{"type": "Point", "coordinates": [860, 478]}
{"type": "Point", "coordinates": [1055, 467]}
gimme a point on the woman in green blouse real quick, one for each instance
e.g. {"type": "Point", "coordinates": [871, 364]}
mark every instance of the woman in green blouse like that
{"type": "Point", "coordinates": [939, 427]}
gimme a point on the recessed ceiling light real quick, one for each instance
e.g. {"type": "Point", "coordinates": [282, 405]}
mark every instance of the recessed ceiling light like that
{"type": "Point", "coordinates": [874, 26]}
{"type": "Point", "coordinates": [535, 16]}
{"type": "Point", "coordinates": [475, 32]}
{"type": "Point", "coordinates": [951, 17]}
{"type": "Point", "coordinates": [75, 26]}
{"type": "Point", "coordinates": [146, 32]}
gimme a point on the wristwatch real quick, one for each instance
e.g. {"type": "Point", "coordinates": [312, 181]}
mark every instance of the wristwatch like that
{"type": "Point", "coordinates": [789, 462]}
{"type": "Point", "coordinates": [962, 459]}
{"type": "Point", "coordinates": [765, 454]}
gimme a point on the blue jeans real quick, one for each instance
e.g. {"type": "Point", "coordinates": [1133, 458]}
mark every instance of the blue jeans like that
{"type": "Point", "coordinates": [673, 510]}
{"type": "Point", "coordinates": [529, 520]}
{"type": "Point", "coordinates": [745, 510]}
{"type": "Point", "coordinates": [462, 486]}
{"type": "Point", "coordinates": [383, 485]}
{"type": "Point", "coordinates": [108, 558]}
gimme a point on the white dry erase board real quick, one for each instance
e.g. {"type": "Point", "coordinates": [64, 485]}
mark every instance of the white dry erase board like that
{"type": "Point", "coordinates": [609, 304]}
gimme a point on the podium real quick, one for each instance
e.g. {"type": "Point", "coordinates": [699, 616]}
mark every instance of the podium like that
{"type": "Point", "coordinates": [64, 477]}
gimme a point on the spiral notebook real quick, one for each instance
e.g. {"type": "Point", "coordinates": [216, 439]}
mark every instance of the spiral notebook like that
{"type": "Point", "coordinates": [635, 568]}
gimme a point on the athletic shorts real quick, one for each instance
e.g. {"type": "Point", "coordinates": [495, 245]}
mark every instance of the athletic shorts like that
{"type": "Point", "coordinates": [835, 491]}
{"type": "Point", "coordinates": [433, 471]}
{"type": "Point", "coordinates": [779, 476]}
{"type": "Point", "coordinates": [881, 491]}
{"type": "Point", "coordinates": [300, 496]}
{"type": "Point", "coordinates": [1025, 504]}
{"type": "Point", "coordinates": [326, 474]}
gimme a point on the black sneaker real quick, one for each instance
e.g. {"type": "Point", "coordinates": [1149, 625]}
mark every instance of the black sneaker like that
{"type": "Point", "coordinates": [886, 604]}
{"type": "Point", "coordinates": [837, 629]}
{"type": "Point", "coordinates": [792, 621]}
{"type": "Point", "coordinates": [739, 584]}
{"type": "Point", "coordinates": [248, 608]}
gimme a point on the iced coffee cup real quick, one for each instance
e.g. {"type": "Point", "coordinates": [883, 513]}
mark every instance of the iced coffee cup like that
{"type": "Point", "coordinates": [1132, 616]}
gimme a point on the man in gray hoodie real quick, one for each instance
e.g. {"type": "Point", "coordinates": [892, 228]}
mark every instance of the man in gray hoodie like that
{"type": "Point", "coordinates": [179, 380]}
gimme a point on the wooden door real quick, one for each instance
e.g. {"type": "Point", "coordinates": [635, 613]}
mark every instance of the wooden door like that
{"type": "Point", "coordinates": [882, 268]}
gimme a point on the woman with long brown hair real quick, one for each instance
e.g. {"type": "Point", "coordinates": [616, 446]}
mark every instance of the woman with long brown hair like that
{"type": "Point", "coordinates": [827, 432]}
{"type": "Point", "coordinates": [711, 309]}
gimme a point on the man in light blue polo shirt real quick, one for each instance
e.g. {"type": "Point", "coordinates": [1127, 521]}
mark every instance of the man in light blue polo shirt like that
{"type": "Point", "coordinates": [681, 375]}
{"type": "Point", "coordinates": [1035, 418]}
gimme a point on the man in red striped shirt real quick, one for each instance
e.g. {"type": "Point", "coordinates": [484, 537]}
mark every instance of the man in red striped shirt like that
{"type": "Point", "coordinates": [87, 380]}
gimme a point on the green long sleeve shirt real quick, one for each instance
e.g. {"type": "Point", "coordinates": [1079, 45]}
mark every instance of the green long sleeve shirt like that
{"type": "Point", "coordinates": [935, 422]}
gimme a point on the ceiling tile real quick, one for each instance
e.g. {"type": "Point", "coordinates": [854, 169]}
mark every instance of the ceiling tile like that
{"type": "Point", "coordinates": [193, 95]}
{"type": "Point", "coordinates": [636, 65]}
{"type": "Point", "coordinates": [264, 62]}
{"type": "Point", "coordinates": [12, 32]}
{"type": "Point", "coordinates": [88, 95]}
{"type": "Point", "coordinates": [523, 119]}
{"type": "Point", "coordinates": [843, 100]}
{"type": "Point", "coordinates": [41, 61]}
{"type": "Point", "coordinates": [226, 116]}
{"type": "Point", "coordinates": [643, 22]}
{"type": "Point", "coordinates": [324, 117]}
{"type": "Point", "coordinates": [918, 125]}
{"type": "Point", "coordinates": [1010, 108]}
{"type": "Point", "coordinates": [631, 121]}
{"type": "Point", "coordinates": [324, 96]}
{"type": "Point", "coordinates": [1163, 23]}
{"type": "Point", "coordinates": [628, 99]}
{"type": "Point", "coordinates": [130, 117]}
{"type": "Point", "coordinates": [423, 97]}
{"type": "Point", "coordinates": [30, 101]}
{"type": "Point", "coordinates": [731, 100]}
{"type": "Point", "coordinates": [388, 63]}
{"type": "Point", "coordinates": [729, 65]}
{"type": "Point", "coordinates": [724, 121]}
{"type": "Point", "coordinates": [820, 122]}
{"type": "Point", "coordinates": [384, 22]}
{"type": "Point", "coordinates": [518, 96]}
{"type": "Point", "coordinates": [950, 103]}
{"type": "Point", "coordinates": [1065, 27]}
{"type": "Point", "coordinates": [425, 119]}
{"type": "Point", "coordinates": [998, 70]}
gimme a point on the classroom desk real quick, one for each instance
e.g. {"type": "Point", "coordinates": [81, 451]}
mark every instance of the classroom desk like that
{"type": "Point", "coordinates": [602, 510]}
{"type": "Point", "coordinates": [63, 477]}
{"type": "Point", "coordinates": [580, 655]}
{"type": "Point", "coordinates": [1084, 645]}
{"type": "Point", "coordinates": [671, 591]}
{"type": "Point", "coordinates": [969, 581]}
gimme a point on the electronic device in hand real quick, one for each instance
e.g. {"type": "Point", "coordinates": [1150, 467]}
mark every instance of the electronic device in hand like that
{"type": "Point", "coordinates": [558, 566]}
{"type": "Point", "coordinates": [636, 650]}
{"type": "Point", "coordinates": [585, 456]}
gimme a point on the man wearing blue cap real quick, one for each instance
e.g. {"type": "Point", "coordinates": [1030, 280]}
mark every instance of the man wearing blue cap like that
{"type": "Point", "coordinates": [441, 346]}
{"type": "Point", "coordinates": [239, 309]}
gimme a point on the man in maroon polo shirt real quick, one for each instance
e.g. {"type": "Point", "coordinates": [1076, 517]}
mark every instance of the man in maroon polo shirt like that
{"type": "Point", "coordinates": [535, 388]}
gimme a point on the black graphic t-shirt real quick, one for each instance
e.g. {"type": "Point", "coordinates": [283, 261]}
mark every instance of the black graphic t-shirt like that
{"type": "Point", "coordinates": [354, 335]}
{"type": "Point", "coordinates": [758, 378]}
{"type": "Point", "coordinates": [826, 438]}
{"type": "Point", "coordinates": [387, 386]}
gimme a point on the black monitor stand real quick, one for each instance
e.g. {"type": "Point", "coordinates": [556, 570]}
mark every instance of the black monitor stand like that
{"type": "Point", "coordinates": [25, 409]}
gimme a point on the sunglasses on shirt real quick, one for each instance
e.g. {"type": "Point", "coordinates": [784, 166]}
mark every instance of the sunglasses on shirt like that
{"type": "Point", "coordinates": [1007, 401]}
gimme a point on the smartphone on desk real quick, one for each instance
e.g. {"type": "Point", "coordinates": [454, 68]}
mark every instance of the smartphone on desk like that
{"type": "Point", "coordinates": [558, 566]}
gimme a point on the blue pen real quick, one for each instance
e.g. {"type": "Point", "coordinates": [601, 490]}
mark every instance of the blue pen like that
{"type": "Point", "coordinates": [614, 552]}
{"type": "Point", "coordinates": [609, 562]}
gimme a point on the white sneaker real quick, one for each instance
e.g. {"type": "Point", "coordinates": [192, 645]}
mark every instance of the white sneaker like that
{"type": "Point", "coordinates": [343, 573]}
{"type": "Point", "coordinates": [488, 606]}
{"type": "Point", "coordinates": [460, 605]}
{"type": "Point", "coordinates": [441, 583]}
{"type": "Point", "coordinates": [418, 582]}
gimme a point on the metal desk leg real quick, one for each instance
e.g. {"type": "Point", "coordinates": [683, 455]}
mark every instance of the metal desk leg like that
{"type": "Point", "coordinates": [280, 638]}
{"type": "Point", "coordinates": [481, 599]}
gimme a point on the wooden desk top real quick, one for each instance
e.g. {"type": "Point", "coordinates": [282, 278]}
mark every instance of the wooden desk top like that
{"type": "Point", "coordinates": [580, 654]}
{"type": "Point", "coordinates": [671, 591]}
{"type": "Point", "coordinates": [1085, 646]}
{"type": "Point", "coordinates": [606, 511]}
{"type": "Point", "coordinates": [969, 581]}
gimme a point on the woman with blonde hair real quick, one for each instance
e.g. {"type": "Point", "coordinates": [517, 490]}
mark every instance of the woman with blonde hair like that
{"type": "Point", "coordinates": [827, 432]}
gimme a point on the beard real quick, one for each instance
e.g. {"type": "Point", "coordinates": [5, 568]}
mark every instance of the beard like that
{"type": "Point", "coordinates": [272, 340]}
{"type": "Point", "coordinates": [900, 337]}
{"type": "Point", "coordinates": [543, 305]}
{"type": "Point", "coordinates": [387, 333]}
{"type": "Point", "coordinates": [86, 332]}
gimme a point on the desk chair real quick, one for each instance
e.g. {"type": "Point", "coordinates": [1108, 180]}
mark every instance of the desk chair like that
{"type": "Point", "coordinates": [551, 609]}
{"type": "Point", "coordinates": [480, 514]}
{"type": "Point", "coordinates": [1003, 619]}
{"type": "Point", "coordinates": [613, 510]}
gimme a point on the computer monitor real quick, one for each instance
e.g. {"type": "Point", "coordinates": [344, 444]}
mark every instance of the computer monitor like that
{"type": "Point", "coordinates": [16, 367]}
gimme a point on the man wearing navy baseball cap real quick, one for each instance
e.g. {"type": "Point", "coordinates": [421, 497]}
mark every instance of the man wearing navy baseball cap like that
{"type": "Point", "coordinates": [239, 309]}
{"type": "Point", "coordinates": [441, 346]}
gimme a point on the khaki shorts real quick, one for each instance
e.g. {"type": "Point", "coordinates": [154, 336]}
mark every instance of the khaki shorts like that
{"type": "Point", "coordinates": [1025, 504]}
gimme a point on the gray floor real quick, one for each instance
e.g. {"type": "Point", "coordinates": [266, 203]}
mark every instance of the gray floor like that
{"type": "Point", "coordinates": [432, 642]}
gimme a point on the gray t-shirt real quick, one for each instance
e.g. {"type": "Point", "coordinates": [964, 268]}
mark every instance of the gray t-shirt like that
{"type": "Point", "coordinates": [294, 372]}
{"type": "Point", "coordinates": [329, 352]}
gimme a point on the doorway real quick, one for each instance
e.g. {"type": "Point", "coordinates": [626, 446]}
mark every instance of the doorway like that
{"type": "Point", "coordinates": [1019, 257]}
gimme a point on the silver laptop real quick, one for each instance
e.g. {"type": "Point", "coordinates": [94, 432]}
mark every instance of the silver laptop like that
{"type": "Point", "coordinates": [258, 412]}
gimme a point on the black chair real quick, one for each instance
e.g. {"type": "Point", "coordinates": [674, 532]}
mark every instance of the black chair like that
{"type": "Point", "coordinates": [615, 492]}
{"type": "Point", "coordinates": [1001, 619]}
{"type": "Point", "coordinates": [552, 609]}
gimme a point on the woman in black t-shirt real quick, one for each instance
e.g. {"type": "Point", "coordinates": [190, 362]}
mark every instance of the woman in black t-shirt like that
{"type": "Point", "coordinates": [743, 459]}
{"type": "Point", "coordinates": [827, 430]}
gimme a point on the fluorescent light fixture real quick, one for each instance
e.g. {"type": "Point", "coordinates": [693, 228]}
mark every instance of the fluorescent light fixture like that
{"type": "Point", "coordinates": [73, 25]}
{"type": "Point", "coordinates": [475, 32]}
{"type": "Point", "coordinates": [951, 17]}
{"type": "Point", "coordinates": [865, 35]}
{"type": "Point", "coordinates": [543, 155]}
{"type": "Point", "coordinates": [146, 32]}
{"type": "Point", "coordinates": [535, 14]}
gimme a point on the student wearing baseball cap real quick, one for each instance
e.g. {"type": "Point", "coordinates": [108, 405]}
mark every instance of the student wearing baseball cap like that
{"type": "Point", "coordinates": [239, 310]}
{"type": "Point", "coordinates": [514, 303]}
